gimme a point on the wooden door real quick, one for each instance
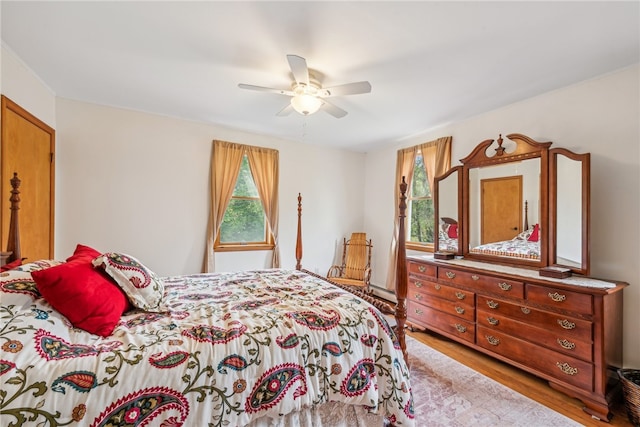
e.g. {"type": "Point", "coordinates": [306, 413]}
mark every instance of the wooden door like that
{"type": "Point", "coordinates": [27, 148]}
{"type": "Point", "coordinates": [501, 208]}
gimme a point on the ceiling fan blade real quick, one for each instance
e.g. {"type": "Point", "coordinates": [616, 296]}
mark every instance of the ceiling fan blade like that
{"type": "Point", "coordinates": [266, 89]}
{"type": "Point", "coordinates": [336, 112]}
{"type": "Point", "coordinates": [285, 111]}
{"type": "Point", "coordinates": [299, 68]}
{"type": "Point", "coordinates": [346, 89]}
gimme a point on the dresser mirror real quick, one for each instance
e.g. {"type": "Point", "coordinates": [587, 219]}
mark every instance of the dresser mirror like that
{"type": "Point", "coordinates": [569, 203]}
{"type": "Point", "coordinates": [447, 190]}
{"type": "Point", "coordinates": [518, 202]}
{"type": "Point", "coordinates": [505, 201]}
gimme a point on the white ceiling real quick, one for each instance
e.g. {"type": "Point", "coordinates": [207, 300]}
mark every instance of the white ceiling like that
{"type": "Point", "coordinates": [429, 63]}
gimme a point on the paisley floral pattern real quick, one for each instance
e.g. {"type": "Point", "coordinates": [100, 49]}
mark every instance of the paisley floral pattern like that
{"type": "Point", "coordinates": [144, 289]}
{"type": "Point", "coordinates": [232, 349]}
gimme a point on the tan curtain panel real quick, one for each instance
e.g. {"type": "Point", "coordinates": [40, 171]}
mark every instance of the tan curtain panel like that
{"type": "Point", "coordinates": [264, 168]}
{"type": "Point", "coordinates": [437, 160]}
{"type": "Point", "coordinates": [226, 159]}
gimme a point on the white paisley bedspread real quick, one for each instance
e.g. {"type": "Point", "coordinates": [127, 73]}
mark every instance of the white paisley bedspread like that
{"type": "Point", "coordinates": [234, 347]}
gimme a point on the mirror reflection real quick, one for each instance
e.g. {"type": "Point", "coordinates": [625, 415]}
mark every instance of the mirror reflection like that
{"type": "Point", "coordinates": [569, 212]}
{"type": "Point", "coordinates": [448, 231]}
{"type": "Point", "coordinates": [504, 210]}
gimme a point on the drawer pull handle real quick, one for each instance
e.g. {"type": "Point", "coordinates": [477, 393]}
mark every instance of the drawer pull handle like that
{"type": "Point", "coordinates": [568, 345]}
{"type": "Point", "coordinates": [493, 321]}
{"type": "Point", "coordinates": [504, 286]}
{"type": "Point", "coordinates": [461, 328]}
{"type": "Point", "coordinates": [566, 324]}
{"type": "Point", "coordinates": [437, 286]}
{"type": "Point", "coordinates": [492, 304]}
{"type": "Point", "coordinates": [492, 340]}
{"type": "Point", "coordinates": [460, 295]}
{"type": "Point", "coordinates": [418, 284]}
{"type": "Point", "coordinates": [525, 310]}
{"type": "Point", "coordinates": [566, 368]}
{"type": "Point", "coordinates": [422, 268]}
{"type": "Point", "coordinates": [459, 310]}
{"type": "Point", "coordinates": [475, 277]}
{"type": "Point", "coordinates": [418, 297]}
{"type": "Point", "coordinates": [557, 297]}
{"type": "Point", "coordinates": [419, 311]}
{"type": "Point", "coordinates": [450, 274]}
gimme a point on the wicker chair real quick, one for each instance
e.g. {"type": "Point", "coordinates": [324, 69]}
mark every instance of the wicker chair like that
{"type": "Point", "coordinates": [356, 263]}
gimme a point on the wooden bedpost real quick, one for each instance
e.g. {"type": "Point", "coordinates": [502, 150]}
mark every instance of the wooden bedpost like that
{"type": "Point", "coordinates": [299, 238]}
{"type": "Point", "coordinates": [401, 272]}
{"type": "Point", "coordinates": [13, 245]}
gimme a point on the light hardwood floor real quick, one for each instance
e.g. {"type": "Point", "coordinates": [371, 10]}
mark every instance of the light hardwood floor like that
{"type": "Point", "coordinates": [518, 380]}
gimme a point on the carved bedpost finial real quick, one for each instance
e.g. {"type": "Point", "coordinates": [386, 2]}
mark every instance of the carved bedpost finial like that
{"type": "Point", "coordinates": [13, 245]}
{"type": "Point", "coordinates": [401, 273]}
{"type": "Point", "coordinates": [299, 238]}
{"type": "Point", "coordinates": [500, 149]}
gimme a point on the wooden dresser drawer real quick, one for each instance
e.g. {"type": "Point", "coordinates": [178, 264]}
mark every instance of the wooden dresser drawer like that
{"type": "Point", "coordinates": [569, 327]}
{"type": "Point", "coordinates": [442, 291]}
{"type": "Point", "coordinates": [439, 321]}
{"type": "Point", "coordinates": [555, 341]}
{"type": "Point", "coordinates": [560, 299]}
{"type": "Point", "coordinates": [421, 269]}
{"type": "Point", "coordinates": [462, 310]}
{"type": "Point", "coordinates": [483, 283]}
{"type": "Point", "coordinates": [560, 366]}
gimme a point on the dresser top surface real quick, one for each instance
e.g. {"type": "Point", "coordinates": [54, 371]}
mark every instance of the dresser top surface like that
{"type": "Point", "coordinates": [580, 281]}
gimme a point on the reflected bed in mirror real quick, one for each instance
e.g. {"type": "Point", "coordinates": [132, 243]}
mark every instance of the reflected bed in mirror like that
{"type": "Point", "coordinates": [448, 235]}
{"type": "Point", "coordinates": [448, 194]}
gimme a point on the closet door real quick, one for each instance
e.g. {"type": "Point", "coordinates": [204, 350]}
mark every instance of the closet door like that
{"type": "Point", "coordinates": [27, 148]}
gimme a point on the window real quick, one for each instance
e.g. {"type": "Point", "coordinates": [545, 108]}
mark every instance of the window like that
{"type": "Point", "coordinates": [244, 223]}
{"type": "Point", "coordinates": [420, 211]}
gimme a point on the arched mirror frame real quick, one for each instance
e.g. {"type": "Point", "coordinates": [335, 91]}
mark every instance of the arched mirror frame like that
{"type": "Point", "coordinates": [525, 148]}
{"type": "Point", "coordinates": [455, 174]}
{"type": "Point", "coordinates": [584, 161]}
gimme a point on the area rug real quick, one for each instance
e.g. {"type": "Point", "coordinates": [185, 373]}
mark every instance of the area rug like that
{"type": "Point", "coordinates": [448, 393]}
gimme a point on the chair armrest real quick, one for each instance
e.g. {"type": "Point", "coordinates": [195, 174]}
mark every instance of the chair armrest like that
{"type": "Point", "coordinates": [367, 276]}
{"type": "Point", "coordinates": [335, 271]}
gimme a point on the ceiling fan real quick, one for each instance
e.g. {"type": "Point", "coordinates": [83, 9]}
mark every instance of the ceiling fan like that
{"type": "Point", "coordinates": [307, 94]}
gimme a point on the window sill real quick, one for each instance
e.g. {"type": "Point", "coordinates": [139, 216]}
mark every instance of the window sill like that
{"type": "Point", "coordinates": [422, 247]}
{"type": "Point", "coordinates": [241, 248]}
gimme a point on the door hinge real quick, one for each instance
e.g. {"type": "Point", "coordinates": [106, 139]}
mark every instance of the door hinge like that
{"type": "Point", "coordinates": [51, 157]}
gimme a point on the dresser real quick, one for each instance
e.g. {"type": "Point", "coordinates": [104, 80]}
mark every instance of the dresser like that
{"type": "Point", "coordinates": [567, 331]}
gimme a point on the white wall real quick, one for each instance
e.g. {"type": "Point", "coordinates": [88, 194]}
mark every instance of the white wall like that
{"type": "Point", "coordinates": [139, 183]}
{"type": "Point", "coordinates": [25, 88]}
{"type": "Point", "coordinates": [600, 116]}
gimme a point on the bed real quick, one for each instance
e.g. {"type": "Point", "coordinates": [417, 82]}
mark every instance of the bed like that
{"type": "Point", "coordinates": [448, 235]}
{"type": "Point", "coordinates": [526, 245]}
{"type": "Point", "coordinates": [261, 348]}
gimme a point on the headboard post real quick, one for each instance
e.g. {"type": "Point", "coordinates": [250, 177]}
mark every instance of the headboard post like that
{"type": "Point", "coordinates": [299, 237]}
{"type": "Point", "coordinates": [13, 245]}
{"type": "Point", "coordinates": [401, 272]}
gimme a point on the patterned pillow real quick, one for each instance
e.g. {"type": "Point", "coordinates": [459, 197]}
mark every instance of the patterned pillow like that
{"type": "Point", "coordinates": [524, 235]}
{"type": "Point", "coordinates": [17, 287]}
{"type": "Point", "coordinates": [144, 289]}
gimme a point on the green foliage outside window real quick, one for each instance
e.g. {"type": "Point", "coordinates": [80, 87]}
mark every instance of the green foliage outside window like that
{"type": "Point", "coordinates": [421, 206]}
{"type": "Point", "coordinates": [244, 220]}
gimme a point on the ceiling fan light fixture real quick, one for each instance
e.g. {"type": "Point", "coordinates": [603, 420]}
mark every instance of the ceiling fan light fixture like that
{"type": "Point", "coordinates": [306, 104]}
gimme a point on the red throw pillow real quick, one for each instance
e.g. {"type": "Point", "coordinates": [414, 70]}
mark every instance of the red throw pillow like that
{"type": "Point", "coordinates": [83, 253]}
{"type": "Point", "coordinates": [452, 232]}
{"type": "Point", "coordinates": [11, 265]}
{"type": "Point", "coordinates": [535, 234]}
{"type": "Point", "coordinates": [88, 298]}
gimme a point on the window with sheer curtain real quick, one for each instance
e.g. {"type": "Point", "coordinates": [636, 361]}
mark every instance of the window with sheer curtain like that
{"type": "Point", "coordinates": [244, 201]}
